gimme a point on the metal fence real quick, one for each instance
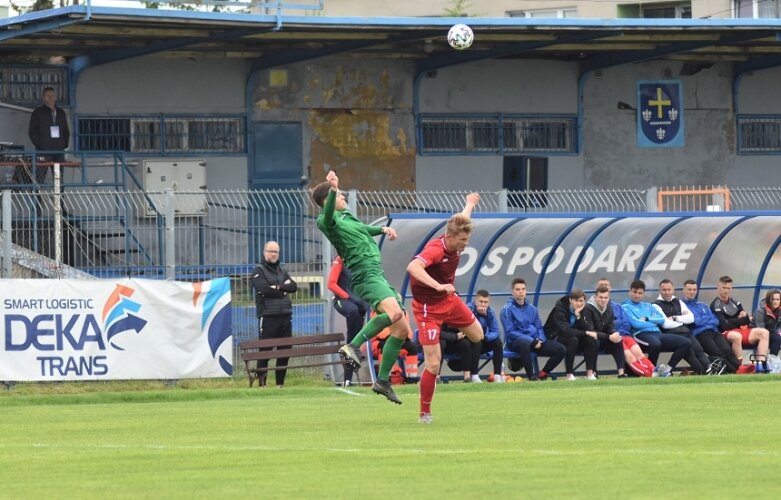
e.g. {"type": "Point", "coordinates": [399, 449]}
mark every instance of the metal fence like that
{"type": "Point", "coordinates": [193, 236]}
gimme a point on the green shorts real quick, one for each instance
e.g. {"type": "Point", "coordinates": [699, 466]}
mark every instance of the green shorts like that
{"type": "Point", "coordinates": [372, 286]}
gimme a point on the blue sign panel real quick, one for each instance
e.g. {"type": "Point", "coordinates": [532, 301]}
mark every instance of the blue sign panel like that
{"type": "Point", "coordinates": [659, 114]}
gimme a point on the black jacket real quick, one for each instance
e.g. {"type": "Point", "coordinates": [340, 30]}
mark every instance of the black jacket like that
{"type": "Point", "coordinates": [558, 322]}
{"type": "Point", "coordinates": [271, 292]}
{"type": "Point", "coordinates": [41, 122]}
{"type": "Point", "coordinates": [601, 322]}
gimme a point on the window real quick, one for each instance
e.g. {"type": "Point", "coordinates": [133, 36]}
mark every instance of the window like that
{"type": "Point", "coordinates": [481, 134]}
{"type": "Point", "coordinates": [23, 85]}
{"type": "Point", "coordinates": [162, 135]}
{"type": "Point", "coordinates": [562, 13]}
{"type": "Point", "coordinates": [666, 11]}
{"type": "Point", "coordinates": [759, 134]}
{"type": "Point", "coordinates": [756, 9]}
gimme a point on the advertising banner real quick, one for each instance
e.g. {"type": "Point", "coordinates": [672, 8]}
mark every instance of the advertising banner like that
{"type": "Point", "coordinates": [115, 329]}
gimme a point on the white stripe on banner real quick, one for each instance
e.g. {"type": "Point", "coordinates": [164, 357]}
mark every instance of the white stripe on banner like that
{"type": "Point", "coordinates": [115, 329]}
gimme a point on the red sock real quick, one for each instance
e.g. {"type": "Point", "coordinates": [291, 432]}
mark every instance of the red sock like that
{"type": "Point", "coordinates": [428, 382]}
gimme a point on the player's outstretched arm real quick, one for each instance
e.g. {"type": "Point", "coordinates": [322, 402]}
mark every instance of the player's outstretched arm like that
{"type": "Point", "coordinates": [332, 179]}
{"type": "Point", "coordinates": [471, 201]}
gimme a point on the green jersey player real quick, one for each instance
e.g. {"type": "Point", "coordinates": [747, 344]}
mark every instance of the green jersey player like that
{"type": "Point", "coordinates": [354, 242]}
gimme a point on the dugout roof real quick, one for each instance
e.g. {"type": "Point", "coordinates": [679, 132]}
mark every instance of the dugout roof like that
{"type": "Point", "coordinates": [96, 35]}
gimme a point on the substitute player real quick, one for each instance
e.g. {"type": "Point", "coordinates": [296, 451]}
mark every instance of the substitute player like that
{"type": "Point", "coordinates": [354, 242]}
{"type": "Point", "coordinates": [434, 298]}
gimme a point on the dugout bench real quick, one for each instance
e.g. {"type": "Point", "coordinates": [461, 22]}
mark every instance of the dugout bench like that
{"type": "Point", "coordinates": [320, 347]}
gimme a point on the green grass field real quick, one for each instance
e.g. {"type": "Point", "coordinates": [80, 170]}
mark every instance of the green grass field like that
{"type": "Point", "coordinates": [687, 437]}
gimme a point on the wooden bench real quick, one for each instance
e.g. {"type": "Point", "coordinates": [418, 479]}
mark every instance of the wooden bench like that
{"type": "Point", "coordinates": [290, 347]}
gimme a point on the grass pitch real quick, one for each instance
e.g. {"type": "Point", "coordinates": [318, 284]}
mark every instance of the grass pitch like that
{"type": "Point", "coordinates": [693, 437]}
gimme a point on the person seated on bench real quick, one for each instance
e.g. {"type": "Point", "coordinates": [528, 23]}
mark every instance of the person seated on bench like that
{"type": "Point", "coordinates": [735, 322]}
{"type": "Point", "coordinates": [273, 286]}
{"type": "Point", "coordinates": [568, 325]}
{"type": "Point", "coordinates": [492, 341]}
{"type": "Point", "coordinates": [706, 327]}
{"type": "Point", "coordinates": [349, 305]}
{"type": "Point", "coordinates": [645, 320]}
{"type": "Point", "coordinates": [677, 321]}
{"type": "Point", "coordinates": [768, 316]}
{"type": "Point", "coordinates": [524, 334]}
{"type": "Point", "coordinates": [600, 316]}
{"type": "Point", "coordinates": [634, 357]}
{"type": "Point", "coordinates": [452, 342]}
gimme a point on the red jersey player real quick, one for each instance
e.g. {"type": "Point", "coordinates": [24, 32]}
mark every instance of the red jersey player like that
{"type": "Point", "coordinates": [434, 298]}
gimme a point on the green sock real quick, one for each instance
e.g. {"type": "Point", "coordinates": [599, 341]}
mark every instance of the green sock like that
{"type": "Point", "coordinates": [370, 329]}
{"type": "Point", "coordinates": [390, 354]}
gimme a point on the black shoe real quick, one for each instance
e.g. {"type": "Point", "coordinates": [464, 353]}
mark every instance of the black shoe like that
{"type": "Point", "coordinates": [384, 387]}
{"type": "Point", "coordinates": [623, 375]}
{"type": "Point", "coordinates": [350, 355]}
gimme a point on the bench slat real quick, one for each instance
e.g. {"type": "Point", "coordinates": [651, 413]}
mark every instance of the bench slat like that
{"type": "Point", "coordinates": [294, 352]}
{"type": "Point", "coordinates": [305, 365]}
{"type": "Point", "coordinates": [289, 341]}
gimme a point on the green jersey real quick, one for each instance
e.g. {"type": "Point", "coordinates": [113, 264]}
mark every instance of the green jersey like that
{"type": "Point", "coordinates": [353, 240]}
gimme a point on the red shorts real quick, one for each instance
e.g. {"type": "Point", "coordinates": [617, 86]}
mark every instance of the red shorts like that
{"type": "Point", "coordinates": [628, 342]}
{"type": "Point", "coordinates": [430, 316]}
{"type": "Point", "coordinates": [744, 332]}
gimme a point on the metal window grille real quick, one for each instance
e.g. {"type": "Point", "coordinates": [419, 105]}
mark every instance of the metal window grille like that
{"type": "Point", "coordinates": [23, 85]}
{"type": "Point", "coordinates": [480, 134]}
{"type": "Point", "coordinates": [759, 134]}
{"type": "Point", "coordinates": [182, 135]}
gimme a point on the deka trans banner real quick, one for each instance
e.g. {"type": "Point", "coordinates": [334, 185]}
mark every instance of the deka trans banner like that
{"type": "Point", "coordinates": [115, 329]}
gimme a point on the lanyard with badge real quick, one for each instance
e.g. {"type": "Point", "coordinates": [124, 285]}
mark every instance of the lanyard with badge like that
{"type": "Point", "coordinates": [54, 130]}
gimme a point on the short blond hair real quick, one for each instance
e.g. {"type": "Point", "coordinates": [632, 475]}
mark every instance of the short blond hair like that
{"type": "Point", "coordinates": [458, 224]}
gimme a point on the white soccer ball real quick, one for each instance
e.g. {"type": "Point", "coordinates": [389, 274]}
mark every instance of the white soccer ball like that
{"type": "Point", "coordinates": [460, 36]}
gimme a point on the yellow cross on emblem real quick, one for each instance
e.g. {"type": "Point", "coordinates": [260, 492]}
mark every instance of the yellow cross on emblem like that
{"type": "Point", "coordinates": [659, 102]}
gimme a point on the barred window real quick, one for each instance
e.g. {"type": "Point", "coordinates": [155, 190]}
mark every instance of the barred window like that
{"type": "Point", "coordinates": [500, 134]}
{"type": "Point", "coordinates": [759, 134]}
{"type": "Point", "coordinates": [23, 85]}
{"type": "Point", "coordinates": [159, 135]}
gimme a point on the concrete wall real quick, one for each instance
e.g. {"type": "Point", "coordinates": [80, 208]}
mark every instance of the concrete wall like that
{"type": "Point", "coordinates": [356, 116]}
{"type": "Point", "coordinates": [499, 8]}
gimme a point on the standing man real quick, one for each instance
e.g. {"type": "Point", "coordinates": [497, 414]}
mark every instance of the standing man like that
{"type": "Point", "coordinates": [273, 286]}
{"type": "Point", "coordinates": [349, 305]}
{"type": "Point", "coordinates": [354, 242]}
{"type": "Point", "coordinates": [48, 132]}
{"type": "Point", "coordinates": [434, 299]}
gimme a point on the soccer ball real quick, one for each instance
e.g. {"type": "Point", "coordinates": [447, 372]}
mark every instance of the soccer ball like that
{"type": "Point", "coordinates": [460, 36]}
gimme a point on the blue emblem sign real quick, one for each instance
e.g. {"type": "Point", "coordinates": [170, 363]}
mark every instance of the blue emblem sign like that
{"type": "Point", "coordinates": [659, 114]}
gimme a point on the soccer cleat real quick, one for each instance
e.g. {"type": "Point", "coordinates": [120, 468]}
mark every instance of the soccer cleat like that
{"type": "Point", "coordinates": [476, 379]}
{"type": "Point", "coordinates": [384, 387]}
{"type": "Point", "coordinates": [543, 375]}
{"type": "Point", "coordinates": [663, 371]}
{"type": "Point", "coordinates": [716, 367]}
{"type": "Point", "coordinates": [571, 377]}
{"type": "Point", "coordinates": [591, 377]}
{"type": "Point", "coordinates": [349, 354]}
{"type": "Point", "coordinates": [426, 418]}
{"type": "Point", "coordinates": [623, 375]}
{"type": "Point", "coordinates": [499, 379]}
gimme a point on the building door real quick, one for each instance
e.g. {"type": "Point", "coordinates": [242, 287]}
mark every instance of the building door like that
{"type": "Point", "coordinates": [526, 179]}
{"type": "Point", "coordinates": [276, 209]}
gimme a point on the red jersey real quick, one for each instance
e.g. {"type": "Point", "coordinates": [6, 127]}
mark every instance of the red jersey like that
{"type": "Point", "coordinates": [440, 265]}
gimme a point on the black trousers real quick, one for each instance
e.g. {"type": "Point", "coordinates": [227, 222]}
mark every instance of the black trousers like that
{"type": "Point", "coordinates": [478, 348]}
{"type": "Point", "coordinates": [715, 344]}
{"type": "Point", "coordinates": [275, 327]}
{"type": "Point", "coordinates": [554, 350]}
{"type": "Point", "coordinates": [354, 312]}
{"type": "Point", "coordinates": [696, 357]}
{"type": "Point", "coordinates": [652, 344]}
